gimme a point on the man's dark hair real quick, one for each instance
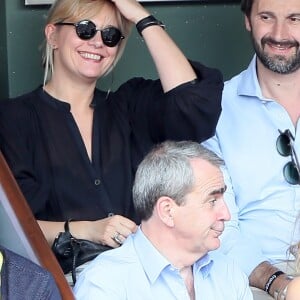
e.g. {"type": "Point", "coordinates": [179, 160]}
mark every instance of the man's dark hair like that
{"type": "Point", "coordinates": [246, 7]}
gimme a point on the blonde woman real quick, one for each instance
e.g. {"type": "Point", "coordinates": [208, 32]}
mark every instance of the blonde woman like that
{"type": "Point", "coordinates": [74, 148]}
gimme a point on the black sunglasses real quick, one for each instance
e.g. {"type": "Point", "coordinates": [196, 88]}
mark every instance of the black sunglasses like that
{"type": "Point", "coordinates": [86, 30]}
{"type": "Point", "coordinates": [285, 147]}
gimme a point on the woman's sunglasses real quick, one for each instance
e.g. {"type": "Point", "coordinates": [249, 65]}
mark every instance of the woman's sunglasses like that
{"type": "Point", "coordinates": [285, 147]}
{"type": "Point", "coordinates": [86, 30]}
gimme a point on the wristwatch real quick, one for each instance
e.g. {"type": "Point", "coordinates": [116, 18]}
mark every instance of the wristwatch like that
{"type": "Point", "coordinates": [281, 294]}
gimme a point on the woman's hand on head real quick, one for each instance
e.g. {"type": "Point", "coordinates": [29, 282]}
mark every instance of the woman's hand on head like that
{"type": "Point", "coordinates": [131, 10]}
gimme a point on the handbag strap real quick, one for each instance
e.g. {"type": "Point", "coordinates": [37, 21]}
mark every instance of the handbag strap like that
{"type": "Point", "coordinates": [75, 250]}
{"type": "Point", "coordinates": [66, 225]}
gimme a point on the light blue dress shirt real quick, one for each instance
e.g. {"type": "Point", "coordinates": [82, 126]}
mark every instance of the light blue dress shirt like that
{"type": "Point", "coordinates": [137, 271]}
{"type": "Point", "coordinates": [263, 205]}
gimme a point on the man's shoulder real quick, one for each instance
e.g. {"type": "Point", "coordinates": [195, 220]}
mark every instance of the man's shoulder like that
{"type": "Point", "coordinates": [118, 259]}
{"type": "Point", "coordinates": [22, 272]}
{"type": "Point", "coordinates": [234, 81]}
{"type": "Point", "coordinates": [110, 268]}
{"type": "Point", "coordinates": [242, 82]}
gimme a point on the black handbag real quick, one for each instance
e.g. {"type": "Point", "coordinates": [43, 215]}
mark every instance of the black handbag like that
{"type": "Point", "coordinates": [72, 252]}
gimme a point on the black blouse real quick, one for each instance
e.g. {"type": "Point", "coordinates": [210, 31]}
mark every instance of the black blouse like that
{"type": "Point", "coordinates": [44, 149]}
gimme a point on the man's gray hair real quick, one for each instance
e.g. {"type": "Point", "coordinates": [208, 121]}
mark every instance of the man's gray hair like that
{"type": "Point", "coordinates": [167, 171]}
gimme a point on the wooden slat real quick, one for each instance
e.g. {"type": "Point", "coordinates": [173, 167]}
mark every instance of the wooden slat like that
{"type": "Point", "coordinates": [30, 228]}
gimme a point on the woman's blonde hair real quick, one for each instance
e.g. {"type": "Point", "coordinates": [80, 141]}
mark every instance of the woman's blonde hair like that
{"type": "Point", "coordinates": [77, 10]}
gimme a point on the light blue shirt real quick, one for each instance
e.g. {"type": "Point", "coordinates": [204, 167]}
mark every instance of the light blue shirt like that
{"type": "Point", "coordinates": [263, 205]}
{"type": "Point", "coordinates": [136, 270]}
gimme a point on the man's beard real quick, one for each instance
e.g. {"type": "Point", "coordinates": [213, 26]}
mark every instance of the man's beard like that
{"type": "Point", "coordinates": [277, 63]}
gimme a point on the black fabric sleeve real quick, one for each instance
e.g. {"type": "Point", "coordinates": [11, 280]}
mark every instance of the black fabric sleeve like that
{"type": "Point", "coordinates": [188, 112]}
{"type": "Point", "coordinates": [18, 143]}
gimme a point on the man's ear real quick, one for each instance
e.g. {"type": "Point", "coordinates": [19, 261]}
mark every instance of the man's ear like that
{"type": "Point", "coordinates": [247, 23]}
{"type": "Point", "coordinates": [50, 33]}
{"type": "Point", "coordinates": [165, 207]}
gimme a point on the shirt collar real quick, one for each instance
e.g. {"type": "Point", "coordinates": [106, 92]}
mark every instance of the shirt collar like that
{"type": "Point", "coordinates": [154, 266]}
{"type": "Point", "coordinates": [203, 265]}
{"type": "Point", "coordinates": [55, 103]}
{"type": "Point", "coordinates": [249, 85]}
{"type": "Point", "coordinates": [99, 97]}
{"type": "Point", "coordinates": [144, 249]}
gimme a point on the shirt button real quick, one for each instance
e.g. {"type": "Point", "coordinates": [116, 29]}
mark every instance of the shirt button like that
{"type": "Point", "coordinates": [97, 181]}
